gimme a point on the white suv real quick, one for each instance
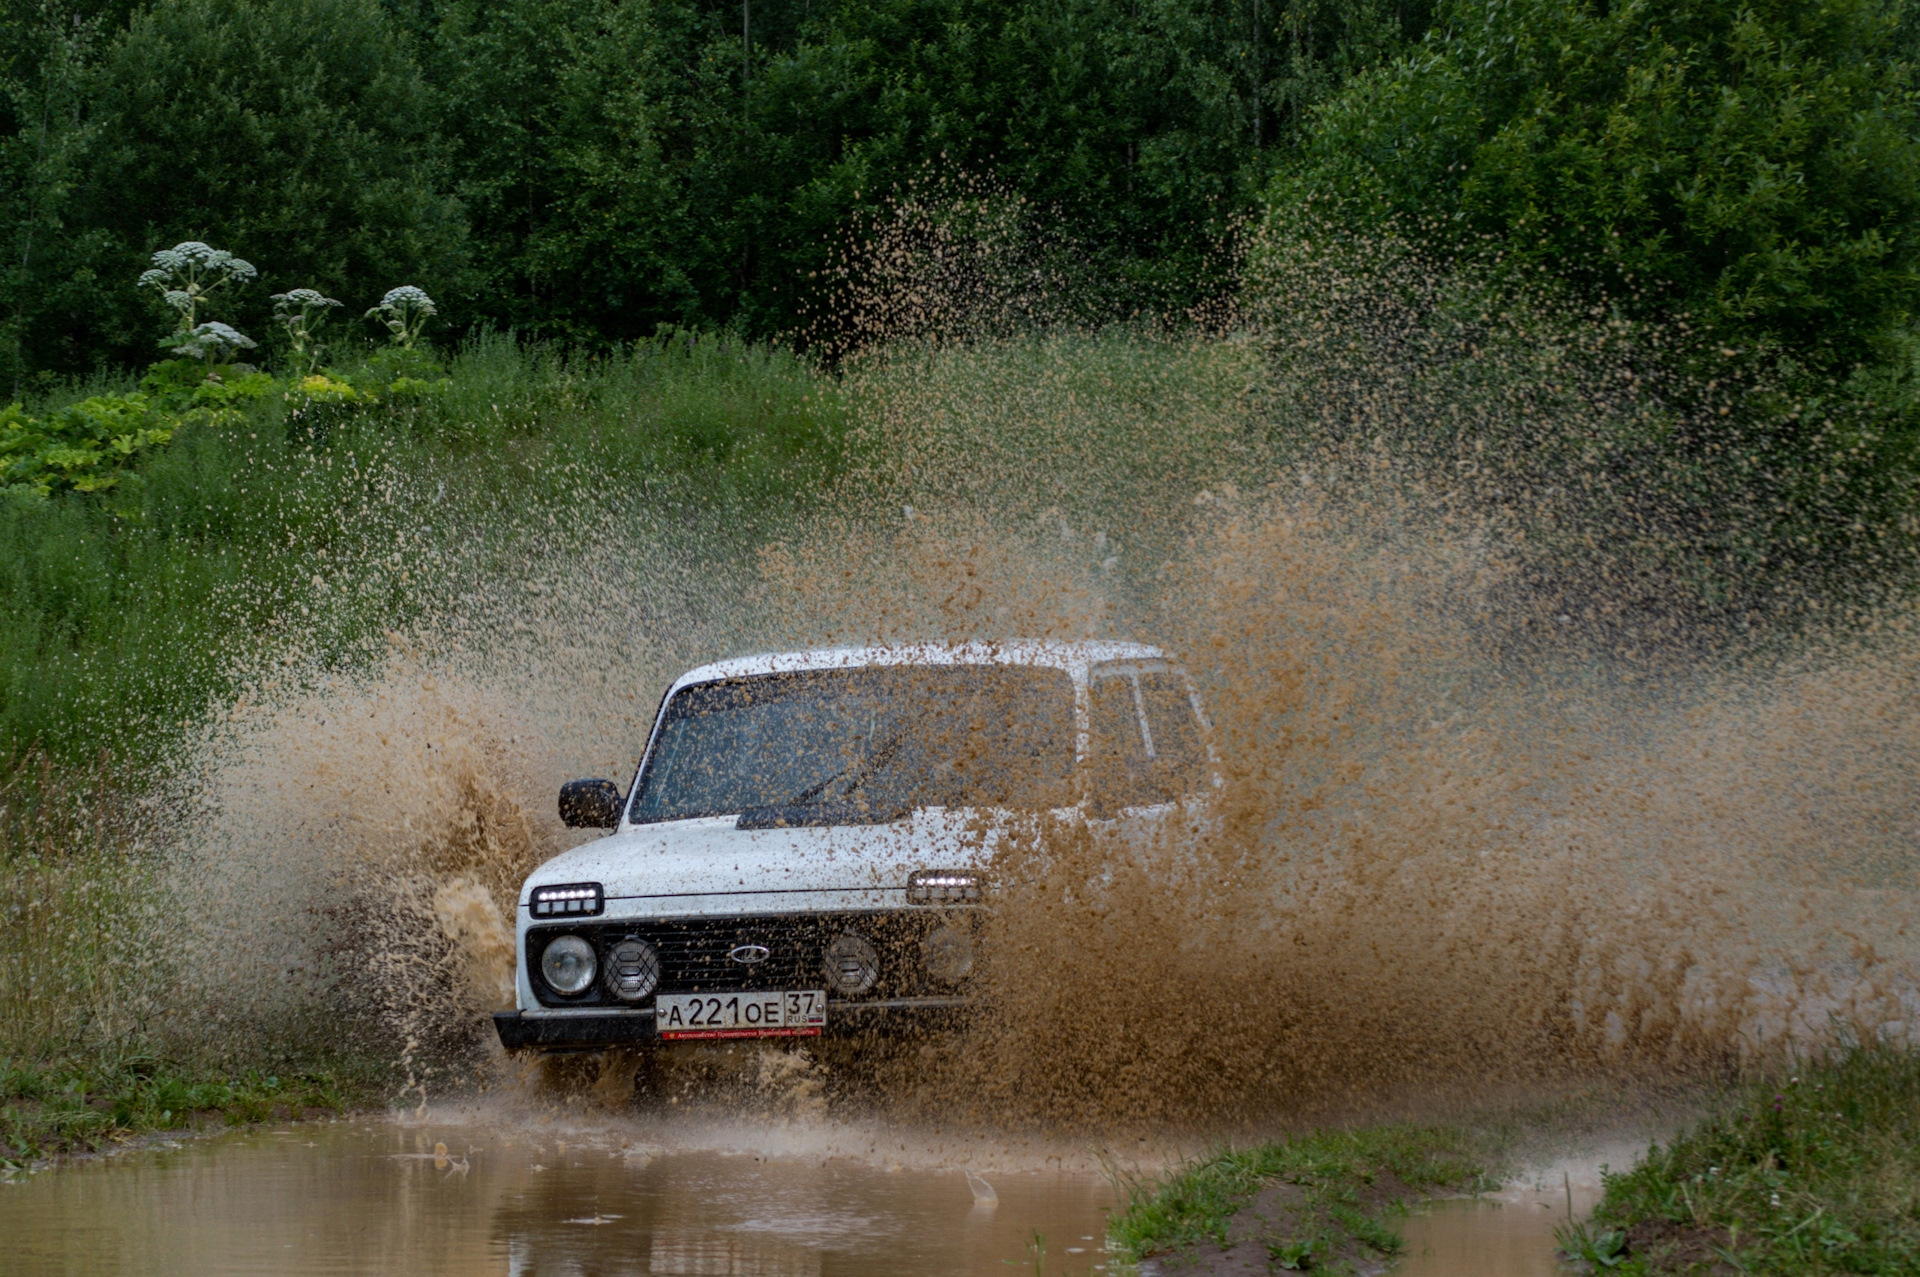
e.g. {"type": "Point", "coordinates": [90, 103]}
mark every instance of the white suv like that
{"type": "Point", "coordinates": [808, 838]}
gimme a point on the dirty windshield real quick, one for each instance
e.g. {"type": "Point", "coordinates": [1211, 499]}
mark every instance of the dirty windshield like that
{"type": "Point", "coordinates": [868, 744]}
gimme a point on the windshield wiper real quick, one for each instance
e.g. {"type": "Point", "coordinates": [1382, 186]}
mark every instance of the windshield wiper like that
{"type": "Point", "coordinates": [812, 792]}
{"type": "Point", "coordinates": [872, 763]}
{"type": "Point", "coordinates": [801, 810]}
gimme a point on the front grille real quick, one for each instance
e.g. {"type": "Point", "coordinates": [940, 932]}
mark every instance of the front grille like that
{"type": "Point", "coordinates": [693, 952]}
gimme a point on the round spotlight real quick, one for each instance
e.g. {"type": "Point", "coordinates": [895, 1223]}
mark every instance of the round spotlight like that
{"type": "Point", "coordinates": [947, 953]}
{"type": "Point", "coordinates": [567, 965]}
{"type": "Point", "coordinates": [633, 969]}
{"type": "Point", "coordinates": [851, 964]}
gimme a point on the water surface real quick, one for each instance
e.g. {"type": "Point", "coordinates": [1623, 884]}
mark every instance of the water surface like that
{"type": "Point", "coordinates": [385, 1196]}
{"type": "Point", "coordinates": [371, 1197]}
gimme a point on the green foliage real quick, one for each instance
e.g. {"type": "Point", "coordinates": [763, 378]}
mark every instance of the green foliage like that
{"type": "Point", "coordinates": [120, 610]}
{"type": "Point", "coordinates": [1598, 1248]}
{"type": "Point", "coordinates": [1333, 1171]}
{"type": "Point", "coordinates": [1811, 1173]}
{"type": "Point", "coordinates": [47, 1109]}
{"type": "Point", "coordinates": [1757, 166]}
{"type": "Point", "coordinates": [85, 447]}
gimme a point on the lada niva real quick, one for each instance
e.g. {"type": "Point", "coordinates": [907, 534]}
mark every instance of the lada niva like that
{"type": "Point", "coordinates": [808, 841]}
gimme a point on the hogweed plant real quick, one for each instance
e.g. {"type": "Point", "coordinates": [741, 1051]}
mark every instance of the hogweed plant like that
{"type": "Point", "coordinates": [214, 343]}
{"type": "Point", "coordinates": [302, 313]}
{"type": "Point", "coordinates": [187, 273]}
{"type": "Point", "coordinates": [404, 312]}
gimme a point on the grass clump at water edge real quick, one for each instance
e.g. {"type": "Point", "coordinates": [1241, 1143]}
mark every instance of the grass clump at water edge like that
{"type": "Point", "coordinates": [1313, 1201]}
{"type": "Point", "coordinates": [1816, 1171]}
{"type": "Point", "coordinates": [69, 1106]}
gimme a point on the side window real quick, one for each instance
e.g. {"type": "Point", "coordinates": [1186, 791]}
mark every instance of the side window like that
{"type": "Point", "coordinates": [1144, 744]}
{"type": "Point", "coordinates": [1117, 764]}
{"type": "Point", "coordinates": [1178, 750]}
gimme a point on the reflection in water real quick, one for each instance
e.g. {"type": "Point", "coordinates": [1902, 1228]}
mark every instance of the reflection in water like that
{"type": "Point", "coordinates": [1511, 1238]}
{"type": "Point", "coordinates": [375, 1197]}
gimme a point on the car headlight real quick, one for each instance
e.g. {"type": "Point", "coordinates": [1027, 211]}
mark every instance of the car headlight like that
{"type": "Point", "coordinates": [580, 898]}
{"type": "Point", "coordinates": [851, 964]}
{"type": "Point", "coordinates": [567, 965]}
{"type": "Point", "coordinates": [947, 953]}
{"type": "Point", "coordinates": [944, 887]}
{"type": "Point", "coordinates": [633, 968]}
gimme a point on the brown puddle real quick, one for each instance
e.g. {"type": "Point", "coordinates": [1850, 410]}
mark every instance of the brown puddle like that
{"type": "Point", "coordinates": [385, 1197]}
{"type": "Point", "coordinates": [1508, 1238]}
{"type": "Point", "coordinates": [372, 1197]}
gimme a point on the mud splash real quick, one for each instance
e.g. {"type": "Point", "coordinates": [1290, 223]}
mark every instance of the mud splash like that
{"type": "Point", "coordinates": [1481, 820]}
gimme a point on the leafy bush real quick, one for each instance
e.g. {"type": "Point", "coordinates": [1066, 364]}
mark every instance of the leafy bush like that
{"type": "Point", "coordinates": [85, 447]}
{"type": "Point", "coordinates": [92, 445]}
{"type": "Point", "coordinates": [1755, 164]}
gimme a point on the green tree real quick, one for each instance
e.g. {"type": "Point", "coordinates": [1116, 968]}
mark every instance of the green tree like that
{"type": "Point", "coordinates": [550, 111]}
{"type": "Point", "coordinates": [44, 94]}
{"type": "Point", "coordinates": [1756, 164]}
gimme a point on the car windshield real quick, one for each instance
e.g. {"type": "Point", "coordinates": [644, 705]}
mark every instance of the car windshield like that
{"type": "Point", "coordinates": [868, 744]}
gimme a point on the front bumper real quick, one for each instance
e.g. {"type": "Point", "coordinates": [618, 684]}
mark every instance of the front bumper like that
{"type": "Point", "coordinates": [587, 1031]}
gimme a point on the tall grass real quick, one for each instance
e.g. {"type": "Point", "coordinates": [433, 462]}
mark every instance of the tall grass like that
{"type": "Point", "coordinates": [78, 972]}
{"type": "Point", "coordinates": [118, 616]}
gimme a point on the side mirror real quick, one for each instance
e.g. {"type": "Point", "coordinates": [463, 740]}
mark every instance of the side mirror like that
{"type": "Point", "coordinates": [591, 804]}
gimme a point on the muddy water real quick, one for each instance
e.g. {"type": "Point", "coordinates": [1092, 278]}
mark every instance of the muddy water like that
{"type": "Point", "coordinates": [1507, 1236]}
{"type": "Point", "coordinates": [373, 1197]}
{"type": "Point", "coordinates": [381, 1196]}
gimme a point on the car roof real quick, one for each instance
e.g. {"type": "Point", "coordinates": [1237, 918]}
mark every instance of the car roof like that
{"type": "Point", "coordinates": [1074, 658]}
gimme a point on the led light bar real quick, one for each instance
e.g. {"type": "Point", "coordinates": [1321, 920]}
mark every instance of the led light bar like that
{"type": "Point", "coordinates": [944, 887]}
{"type": "Point", "coordinates": [569, 900]}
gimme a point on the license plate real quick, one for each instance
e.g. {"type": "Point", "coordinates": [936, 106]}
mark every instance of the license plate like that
{"type": "Point", "coordinates": [685, 1017]}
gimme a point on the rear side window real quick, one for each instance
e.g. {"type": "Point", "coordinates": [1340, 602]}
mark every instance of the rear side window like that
{"type": "Point", "coordinates": [1145, 745]}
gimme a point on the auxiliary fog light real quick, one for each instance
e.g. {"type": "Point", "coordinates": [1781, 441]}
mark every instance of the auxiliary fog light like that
{"type": "Point", "coordinates": [947, 953]}
{"type": "Point", "coordinates": [573, 899]}
{"type": "Point", "coordinates": [851, 964]}
{"type": "Point", "coordinates": [633, 968]}
{"type": "Point", "coordinates": [945, 887]}
{"type": "Point", "coordinates": [567, 965]}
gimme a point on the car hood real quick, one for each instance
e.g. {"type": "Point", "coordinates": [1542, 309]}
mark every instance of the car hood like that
{"type": "Point", "coordinates": [683, 865]}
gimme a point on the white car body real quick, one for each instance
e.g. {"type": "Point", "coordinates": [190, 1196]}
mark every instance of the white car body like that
{"type": "Point", "coordinates": [699, 876]}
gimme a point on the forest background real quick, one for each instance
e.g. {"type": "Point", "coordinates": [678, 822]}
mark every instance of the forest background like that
{"type": "Point", "coordinates": [588, 171]}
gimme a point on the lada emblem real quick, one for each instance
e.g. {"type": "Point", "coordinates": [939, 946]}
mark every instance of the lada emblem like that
{"type": "Point", "coordinates": [749, 953]}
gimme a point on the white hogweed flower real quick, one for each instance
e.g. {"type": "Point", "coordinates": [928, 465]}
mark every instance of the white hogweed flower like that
{"type": "Point", "coordinates": [216, 342]}
{"type": "Point", "coordinates": [302, 298]}
{"type": "Point", "coordinates": [404, 312]}
{"type": "Point", "coordinates": [408, 296]}
{"type": "Point", "coordinates": [302, 312]}
{"type": "Point", "coordinates": [184, 274]}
